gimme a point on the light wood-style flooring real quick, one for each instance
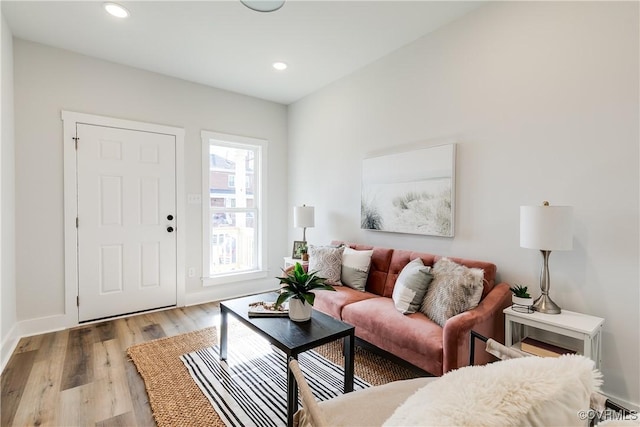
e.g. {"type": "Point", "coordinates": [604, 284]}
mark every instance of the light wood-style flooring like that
{"type": "Point", "coordinates": [82, 376]}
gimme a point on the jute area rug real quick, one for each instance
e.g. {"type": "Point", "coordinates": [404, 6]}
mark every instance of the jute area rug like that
{"type": "Point", "coordinates": [175, 398]}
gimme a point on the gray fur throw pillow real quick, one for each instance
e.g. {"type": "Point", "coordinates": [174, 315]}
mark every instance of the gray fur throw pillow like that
{"type": "Point", "coordinates": [454, 289]}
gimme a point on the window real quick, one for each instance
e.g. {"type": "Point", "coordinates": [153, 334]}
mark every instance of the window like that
{"type": "Point", "coordinates": [233, 177]}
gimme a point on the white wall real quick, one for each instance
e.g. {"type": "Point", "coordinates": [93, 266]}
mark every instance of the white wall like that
{"type": "Point", "coordinates": [542, 99]}
{"type": "Point", "coordinates": [7, 200]}
{"type": "Point", "coordinates": [48, 80]}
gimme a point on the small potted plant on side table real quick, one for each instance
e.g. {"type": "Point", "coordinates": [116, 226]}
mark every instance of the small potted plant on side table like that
{"type": "Point", "coordinates": [297, 288]}
{"type": "Point", "coordinates": [521, 299]}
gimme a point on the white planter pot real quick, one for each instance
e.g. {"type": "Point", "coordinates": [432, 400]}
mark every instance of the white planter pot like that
{"type": "Point", "coordinates": [528, 302]}
{"type": "Point", "coordinates": [299, 311]}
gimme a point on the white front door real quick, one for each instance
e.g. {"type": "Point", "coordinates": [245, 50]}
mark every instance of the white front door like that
{"type": "Point", "coordinates": [126, 221]}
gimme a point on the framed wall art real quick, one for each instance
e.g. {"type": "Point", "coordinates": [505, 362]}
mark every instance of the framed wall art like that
{"type": "Point", "coordinates": [299, 247]}
{"type": "Point", "coordinates": [410, 192]}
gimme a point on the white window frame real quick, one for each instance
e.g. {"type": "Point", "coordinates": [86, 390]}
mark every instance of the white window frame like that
{"type": "Point", "coordinates": [259, 202]}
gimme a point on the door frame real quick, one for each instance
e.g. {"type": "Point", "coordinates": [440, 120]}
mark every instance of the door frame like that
{"type": "Point", "coordinates": [70, 119]}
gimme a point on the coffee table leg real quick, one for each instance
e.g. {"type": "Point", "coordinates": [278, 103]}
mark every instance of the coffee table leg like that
{"type": "Point", "coordinates": [292, 394]}
{"type": "Point", "coordinates": [349, 343]}
{"type": "Point", "coordinates": [223, 333]}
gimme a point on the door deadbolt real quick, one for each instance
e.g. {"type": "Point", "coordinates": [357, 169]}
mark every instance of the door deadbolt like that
{"type": "Point", "coordinates": [170, 217]}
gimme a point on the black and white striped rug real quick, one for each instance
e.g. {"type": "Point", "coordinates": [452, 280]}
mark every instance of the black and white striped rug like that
{"type": "Point", "coordinates": [250, 387]}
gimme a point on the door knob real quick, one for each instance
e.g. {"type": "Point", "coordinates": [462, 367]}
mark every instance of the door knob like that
{"type": "Point", "coordinates": [170, 217]}
{"type": "Point", "coordinates": [170, 229]}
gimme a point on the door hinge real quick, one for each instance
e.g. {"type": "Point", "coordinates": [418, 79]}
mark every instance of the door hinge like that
{"type": "Point", "coordinates": [76, 141]}
{"type": "Point", "coordinates": [77, 222]}
{"type": "Point", "coordinates": [78, 301]}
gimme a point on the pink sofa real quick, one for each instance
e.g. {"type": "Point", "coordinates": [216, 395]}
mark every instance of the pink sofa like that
{"type": "Point", "coordinates": [414, 337]}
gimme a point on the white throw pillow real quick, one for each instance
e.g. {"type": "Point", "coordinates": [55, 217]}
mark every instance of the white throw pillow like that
{"type": "Point", "coordinates": [327, 261]}
{"type": "Point", "coordinates": [454, 290]}
{"type": "Point", "coordinates": [355, 268]}
{"type": "Point", "coordinates": [531, 391]}
{"type": "Point", "coordinates": [411, 286]}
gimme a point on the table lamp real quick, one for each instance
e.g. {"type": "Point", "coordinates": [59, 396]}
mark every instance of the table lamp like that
{"type": "Point", "coordinates": [303, 217]}
{"type": "Point", "coordinates": [547, 228]}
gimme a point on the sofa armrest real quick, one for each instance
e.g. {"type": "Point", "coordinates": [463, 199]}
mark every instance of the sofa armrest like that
{"type": "Point", "coordinates": [487, 319]}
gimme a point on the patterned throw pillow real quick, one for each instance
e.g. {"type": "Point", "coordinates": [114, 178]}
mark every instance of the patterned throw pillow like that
{"type": "Point", "coordinates": [411, 286]}
{"type": "Point", "coordinates": [327, 261]}
{"type": "Point", "coordinates": [355, 268]}
{"type": "Point", "coordinates": [455, 289]}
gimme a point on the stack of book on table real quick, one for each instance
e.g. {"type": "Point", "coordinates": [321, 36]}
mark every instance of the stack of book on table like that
{"type": "Point", "coordinates": [268, 309]}
{"type": "Point", "coordinates": [540, 348]}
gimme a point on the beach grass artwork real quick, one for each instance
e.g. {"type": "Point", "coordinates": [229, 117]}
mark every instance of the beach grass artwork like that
{"type": "Point", "coordinates": [410, 192]}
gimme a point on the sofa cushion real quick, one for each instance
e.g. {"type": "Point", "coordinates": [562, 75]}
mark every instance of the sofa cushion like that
{"type": "Point", "coordinates": [327, 261]}
{"type": "Point", "coordinates": [355, 268]}
{"type": "Point", "coordinates": [332, 303]}
{"type": "Point", "coordinates": [412, 337]}
{"type": "Point", "coordinates": [399, 259]}
{"type": "Point", "coordinates": [454, 289]}
{"type": "Point", "coordinates": [411, 286]}
{"type": "Point", "coordinates": [379, 268]}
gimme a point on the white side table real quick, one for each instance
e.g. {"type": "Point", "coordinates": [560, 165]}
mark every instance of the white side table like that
{"type": "Point", "coordinates": [582, 327]}
{"type": "Point", "coordinates": [289, 262]}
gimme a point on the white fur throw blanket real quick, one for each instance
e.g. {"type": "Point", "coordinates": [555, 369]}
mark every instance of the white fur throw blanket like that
{"type": "Point", "coordinates": [528, 391]}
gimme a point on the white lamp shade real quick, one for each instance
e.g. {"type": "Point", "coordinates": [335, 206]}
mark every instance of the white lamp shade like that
{"type": "Point", "coordinates": [546, 228]}
{"type": "Point", "coordinates": [303, 216]}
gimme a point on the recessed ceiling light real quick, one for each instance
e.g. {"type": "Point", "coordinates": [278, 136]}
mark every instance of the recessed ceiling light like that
{"type": "Point", "coordinates": [280, 66]}
{"type": "Point", "coordinates": [263, 5]}
{"type": "Point", "coordinates": [116, 10]}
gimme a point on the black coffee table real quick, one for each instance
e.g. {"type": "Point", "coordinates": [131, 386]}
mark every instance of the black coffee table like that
{"type": "Point", "coordinates": [291, 337]}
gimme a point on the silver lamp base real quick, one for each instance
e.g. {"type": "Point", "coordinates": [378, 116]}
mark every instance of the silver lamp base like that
{"type": "Point", "coordinates": [544, 304]}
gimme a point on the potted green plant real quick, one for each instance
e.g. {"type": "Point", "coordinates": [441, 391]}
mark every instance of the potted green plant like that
{"type": "Point", "coordinates": [297, 288]}
{"type": "Point", "coordinates": [521, 296]}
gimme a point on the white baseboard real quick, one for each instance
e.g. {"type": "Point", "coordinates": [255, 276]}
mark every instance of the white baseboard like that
{"type": "Point", "coordinates": [43, 325]}
{"type": "Point", "coordinates": [624, 403]}
{"type": "Point", "coordinates": [9, 344]}
{"type": "Point", "coordinates": [27, 328]}
{"type": "Point", "coordinates": [226, 291]}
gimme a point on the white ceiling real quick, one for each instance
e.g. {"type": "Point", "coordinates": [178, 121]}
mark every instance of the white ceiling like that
{"type": "Point", "coordinates": [226, 45]}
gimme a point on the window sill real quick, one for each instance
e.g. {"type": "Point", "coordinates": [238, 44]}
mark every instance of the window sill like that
{"type": "Point", "coordinates": [234, 277]}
